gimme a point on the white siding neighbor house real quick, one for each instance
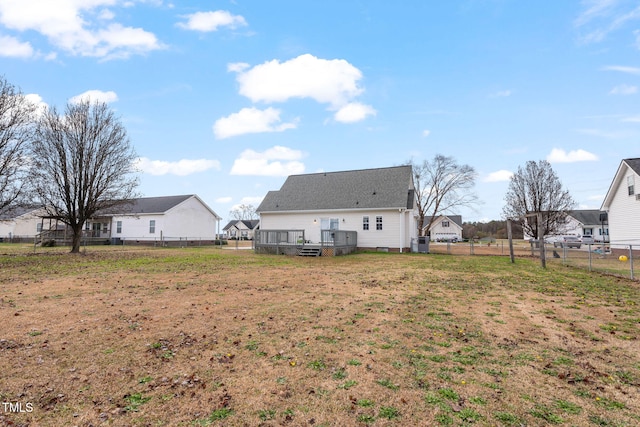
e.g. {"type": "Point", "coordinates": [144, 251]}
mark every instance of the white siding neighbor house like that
{"type": "Point", "coordinates": [446, 228]}
{"type": "Point", "coordinates": [241, 229]}
{"type": "Point", "coordinates": [21, 223]}
{"type": "Point", "coordinates": [622, 204]}
{"type": "Point", "coordinates": [165, 218]}
{"type": "Point", "coordinates": [378, 204]}
{"type": "Point", "coordinates": [581, 223]}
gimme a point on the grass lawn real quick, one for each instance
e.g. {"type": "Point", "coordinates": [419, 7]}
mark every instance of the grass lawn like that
{"type": "Point", "coordinates": [210, 336]}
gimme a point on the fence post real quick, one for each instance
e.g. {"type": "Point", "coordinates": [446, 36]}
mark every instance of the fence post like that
{"type": "Point", "coordinates": [510, 237]}
{"type": "Point", "coordinates": [589, 248]}
{"type": "Point", "coordinates": [631, 260]}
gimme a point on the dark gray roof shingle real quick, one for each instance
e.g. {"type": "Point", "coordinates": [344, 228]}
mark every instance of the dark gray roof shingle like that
{"type": "Point", "coordinates": [356, 189]}
{"type": "Point", "coordinates": [147, 205]}
{"type": "Point", "coordinates": [587, 216]}
{"type": "Point", "coordinates": [634, 164]}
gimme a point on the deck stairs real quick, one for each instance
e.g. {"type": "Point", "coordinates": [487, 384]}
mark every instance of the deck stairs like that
{"type": "Point", "coordinates": [310, 252]}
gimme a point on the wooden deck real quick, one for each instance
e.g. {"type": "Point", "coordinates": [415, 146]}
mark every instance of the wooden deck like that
{"type": "Point", "coordinates": [293, 242]}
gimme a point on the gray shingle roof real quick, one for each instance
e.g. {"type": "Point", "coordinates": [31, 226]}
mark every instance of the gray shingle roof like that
{"type": "Point", "coordinates": [356, 189]}
{"type": "Point", "coordinates": [634, 164]}
{"type": "Point", "coordinates": [147, 205]}
{"type": "Point", "coordinates": [15, 212]}
{"type": "Point", "coordinates": [586, 216]}
{"type": "Point", "coordinates": [250, 223]}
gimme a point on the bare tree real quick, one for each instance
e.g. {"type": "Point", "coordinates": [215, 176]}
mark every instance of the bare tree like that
{"type": "Point", "coordinates": [441, 185]}
{"type": "Point", "coordinates": [16, 119]}
{"type": "Point", "coordinates": [537, 189]}
{"type": "Point", "coordinates": [82, 163]}
{"type": "Point", "coordinates": [243, 212]}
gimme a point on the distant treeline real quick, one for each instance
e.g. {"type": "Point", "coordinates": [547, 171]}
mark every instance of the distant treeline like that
{"type": "Point", "coordinates": [495, 229]}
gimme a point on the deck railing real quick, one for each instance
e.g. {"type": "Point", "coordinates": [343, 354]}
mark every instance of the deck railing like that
{"type": "Point", "coordinates": [332, 242]}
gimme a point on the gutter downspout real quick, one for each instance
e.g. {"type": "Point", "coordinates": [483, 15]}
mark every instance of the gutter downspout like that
{"type": "Point", "coordinates": [401, 229]}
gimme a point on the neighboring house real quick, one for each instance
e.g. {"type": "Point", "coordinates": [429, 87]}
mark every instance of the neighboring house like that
{"type": "Point", "coordinates": [622, 204]}
{"type": "Point", "coordinates": [446, 227]}
{"type": "Point", "coordinates": [379, 204]}
{"type": "Point", "coordinates": [586, 223]}
{"type": "Point", "coordinates": [581, 223]}
{"type": "Point", "coordinates": [165, 218]}
{"type": "Point", "coordinates": [21, 223]}
{"type": "Point", "coordinates": [242, 229]}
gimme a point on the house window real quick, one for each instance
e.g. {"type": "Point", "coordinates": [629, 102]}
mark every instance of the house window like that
{"type": "Point", "coordinates": [630, 182]}
{"type": "Point", "coordinates": [152, 226]}
{"type": "Point", "coordinates": [365, 222]}
{"type": "Point", "coordinates": [378, 223]}
{"type": "Point", "coordinates": [39, 227]}
{"type": "Point", "coordinates": [445, 223]}
{"type": "Point", "coordinates": [118, 227]}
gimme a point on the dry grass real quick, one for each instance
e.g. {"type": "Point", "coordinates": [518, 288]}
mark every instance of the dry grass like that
{"type": "Point", "coordinates": [196, 337]}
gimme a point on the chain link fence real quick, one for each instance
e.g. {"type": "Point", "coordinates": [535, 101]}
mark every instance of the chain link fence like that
{"type": "Point", "coordinates": [613, 258]}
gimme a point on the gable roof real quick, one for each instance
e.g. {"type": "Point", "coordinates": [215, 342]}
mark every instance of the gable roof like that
{"type": "Point", "coordinates": [355, 189]}
{"type": "Point", "coordinates": [16, 211]}
{"type": "Point", "coordinates": [152, 205]}
{"type": "Point", "coordinates": [249, 223]}
{"type": "Point", "coordinates": [586, 216]}
{"type": "Point", "coordinates": [456, 219]}
{"type": "Point", "coordinates": [634, 165]}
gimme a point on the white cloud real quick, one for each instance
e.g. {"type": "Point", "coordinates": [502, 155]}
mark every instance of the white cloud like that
{"type": "Point", "coordinates": [602, 17]}
{"type": "Point", "coordinates": [78, 27]}
{"type": "Point", "coordinates": [14, 48]}
{"type": "Point", "coordinates": [276, 161]}
{"type": "Point", "coordinates": [633, 119]}
{"type": "Point", "coordinates": [227, 199]}
{"type": "Point", "coordinates": [250, 120]}
{"type": "Point", "coordinates": [623, 90]}
{"type": "Point", "coordinates": [248, 200]}
{"type": "Point", "coordinates": [426, 133]}
{"type": "Point", "coordinates": [501, 94]}
{"type": "Point", "coordinates": [237, 67]}
{"type": "Point", "coordinates": [596, 197]}
{"type": "Point", "coordinates": [595, 9]}
{"type": "Point", "coordinates": [181, 167]}
{"type": "Point", "coordinates": [354, 112]}
{"type": "Point", "coordinates": [499, 176]}
{"type": "Point", "coordinates": [333, 82]}
{"type": "Point", "coordinates": [95, 96]}
{"type": "Point", "coordinates": [622, 69]}
{"type": "Point", "coordinates": [211, 21]}
{"type": "Point", "coordinates": [38, 101]}
{"type": "Point", "coordinates": [559, 155]}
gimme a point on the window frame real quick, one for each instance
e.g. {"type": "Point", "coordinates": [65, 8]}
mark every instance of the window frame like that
{"type": "Point", "coordinates": [378, 222]}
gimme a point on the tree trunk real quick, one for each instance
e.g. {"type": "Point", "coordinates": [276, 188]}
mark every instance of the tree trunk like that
{"type": "Point", "coordinates": [76, 240]}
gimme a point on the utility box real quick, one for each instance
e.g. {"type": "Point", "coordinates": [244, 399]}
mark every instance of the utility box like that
{"type": "Point", "coordinates": [423, 244]}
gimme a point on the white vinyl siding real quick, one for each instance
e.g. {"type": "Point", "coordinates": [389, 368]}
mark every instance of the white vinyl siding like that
{"type": "Point", "coordinates": [390, 236]}
{"type": "Point", "coordinates": [190, 219]}
{"type": "Point", "coordinates": [624, 215]}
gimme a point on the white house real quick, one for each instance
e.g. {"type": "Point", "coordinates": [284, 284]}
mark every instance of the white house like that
{"type": "Point", "coordinates": [21, 223]}
{"type": "Point", "coordinates": [379, 204]}
{"type": "Point", "coordinates": [166, 218]}
{"type": "Point", "coordinates": [622, 204]}
{"type": "Point", "coordinates": [586, 223]}
{"type": "Point", "coordinates": [242, 229]}
{"type": "Point", "coordinates": [446, 227]}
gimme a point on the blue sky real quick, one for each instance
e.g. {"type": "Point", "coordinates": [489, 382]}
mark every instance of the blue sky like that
{"type": "Point", "coordinates": [224, 99]}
